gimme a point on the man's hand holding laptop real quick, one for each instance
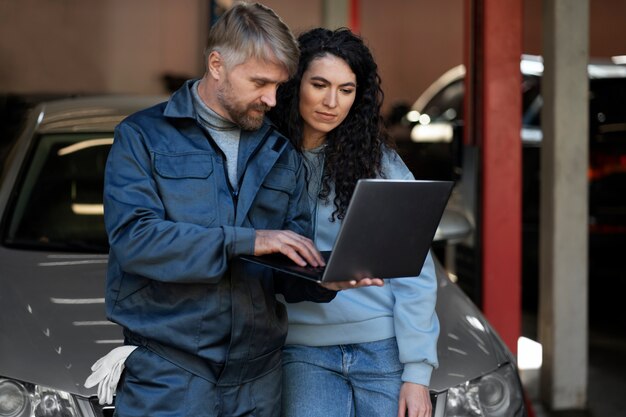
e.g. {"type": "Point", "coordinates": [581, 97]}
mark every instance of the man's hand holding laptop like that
{"type": "Point", "coordinates": [302, 251]}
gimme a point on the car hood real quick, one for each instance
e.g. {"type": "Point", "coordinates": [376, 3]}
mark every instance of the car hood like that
{"type": "Point", "coordinates": [53, 318]}
{"type": "Point", "coordinates": [54, 327]}
{"type": "Point", "coordinates": [468, 347]}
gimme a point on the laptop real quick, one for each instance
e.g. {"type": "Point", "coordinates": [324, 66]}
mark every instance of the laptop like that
{"type": "Point", "coordinates": [386, 233]}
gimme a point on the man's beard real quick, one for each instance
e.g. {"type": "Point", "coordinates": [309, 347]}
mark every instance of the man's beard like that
{"type": "Point", "coordinates": [240, 115]}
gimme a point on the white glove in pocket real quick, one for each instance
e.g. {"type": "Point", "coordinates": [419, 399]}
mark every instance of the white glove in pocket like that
{"type": "Point", "coordinates": [106, 373]}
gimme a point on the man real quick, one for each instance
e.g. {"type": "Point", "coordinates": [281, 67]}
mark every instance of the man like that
{"type": "Point", "coordinates": [189, 185]}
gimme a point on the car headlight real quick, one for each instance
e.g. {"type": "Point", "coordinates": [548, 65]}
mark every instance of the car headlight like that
{"type": "Point", "coordinates": [497, 394]}
{"type": "Point", "coordinates": [20, 399]}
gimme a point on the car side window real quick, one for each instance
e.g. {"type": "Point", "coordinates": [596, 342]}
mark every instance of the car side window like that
{"type": "Point", "coordinates": [58, 202]}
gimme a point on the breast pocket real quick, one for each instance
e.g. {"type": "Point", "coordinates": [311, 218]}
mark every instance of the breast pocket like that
{"type": "Point", "coordinates": [187, 187]}
{"type": "Point", "coordinates": [272, 201]}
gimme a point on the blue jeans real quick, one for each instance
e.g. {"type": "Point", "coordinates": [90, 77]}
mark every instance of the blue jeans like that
{"type": "Point", "coordinates": [361, 380]}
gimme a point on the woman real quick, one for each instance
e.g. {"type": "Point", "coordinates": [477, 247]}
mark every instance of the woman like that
{"type": "Point", "coordinates": [371, 351]}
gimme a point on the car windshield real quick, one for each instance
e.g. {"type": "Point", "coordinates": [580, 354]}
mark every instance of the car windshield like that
{"type": "Point", "coordinates": [58, 203]}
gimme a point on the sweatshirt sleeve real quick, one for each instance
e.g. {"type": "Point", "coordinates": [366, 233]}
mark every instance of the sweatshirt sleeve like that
{"type": "Point", "coordinates": [415, 320]}
{"type": "Point", "coordinates": [416, 323]}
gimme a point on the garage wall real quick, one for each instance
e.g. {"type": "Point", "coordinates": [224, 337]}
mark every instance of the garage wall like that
{"type": "Point", "coordinates": [414, 43]}
{"type": "Point", "coordinates": [89, 46]}
{"type": "Point", "coordinates": [607, 31]}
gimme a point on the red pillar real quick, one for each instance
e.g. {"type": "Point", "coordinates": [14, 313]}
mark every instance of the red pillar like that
{"type": "Point", "coordinates": [493, 50]}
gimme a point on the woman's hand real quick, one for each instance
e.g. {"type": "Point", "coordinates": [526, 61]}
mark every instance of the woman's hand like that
{"type": "Point", "coordinates": [346, 285]}
{"type": "Point", "coordinates": [414, 401]}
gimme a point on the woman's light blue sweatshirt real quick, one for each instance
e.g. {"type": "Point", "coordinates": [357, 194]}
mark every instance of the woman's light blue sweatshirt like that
{"type": "Point", "coordinates": [403, 308]}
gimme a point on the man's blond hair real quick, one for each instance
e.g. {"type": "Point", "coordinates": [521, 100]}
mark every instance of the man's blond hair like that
{"type": "Point", "coordinates": [252, 30]}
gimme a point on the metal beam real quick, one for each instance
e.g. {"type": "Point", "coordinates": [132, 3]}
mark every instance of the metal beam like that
{"type": "Point", "coordinates": [563, 323]}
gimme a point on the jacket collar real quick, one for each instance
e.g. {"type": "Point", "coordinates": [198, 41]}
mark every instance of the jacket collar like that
{"type": "Point", "coordinates": [180, 104]}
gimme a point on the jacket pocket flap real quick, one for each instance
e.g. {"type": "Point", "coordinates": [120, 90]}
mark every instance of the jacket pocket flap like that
{"type": "Point", "coordinates": [183, 165]}
{"type": "Point", "coordinates": [280, 179]}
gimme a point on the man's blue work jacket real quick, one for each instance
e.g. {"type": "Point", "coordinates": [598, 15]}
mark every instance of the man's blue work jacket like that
{"type": "Point", "coordinates": [175, 227]}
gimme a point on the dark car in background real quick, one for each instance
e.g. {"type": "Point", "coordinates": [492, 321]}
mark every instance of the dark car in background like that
{"type": "Point", "coordinates": [53, 256]}
{"type": "Point", "coordinates": [431, 141]}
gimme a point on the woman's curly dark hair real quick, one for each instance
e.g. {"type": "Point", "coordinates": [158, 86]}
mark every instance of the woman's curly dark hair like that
{"type": "Point", "coordinates": [354, 148]}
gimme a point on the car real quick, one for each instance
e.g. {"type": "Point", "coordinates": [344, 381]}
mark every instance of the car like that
{"type": "Point", "coordinates": [431, 135]}
{"type": "Point", "coordinates": [53, 258]}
